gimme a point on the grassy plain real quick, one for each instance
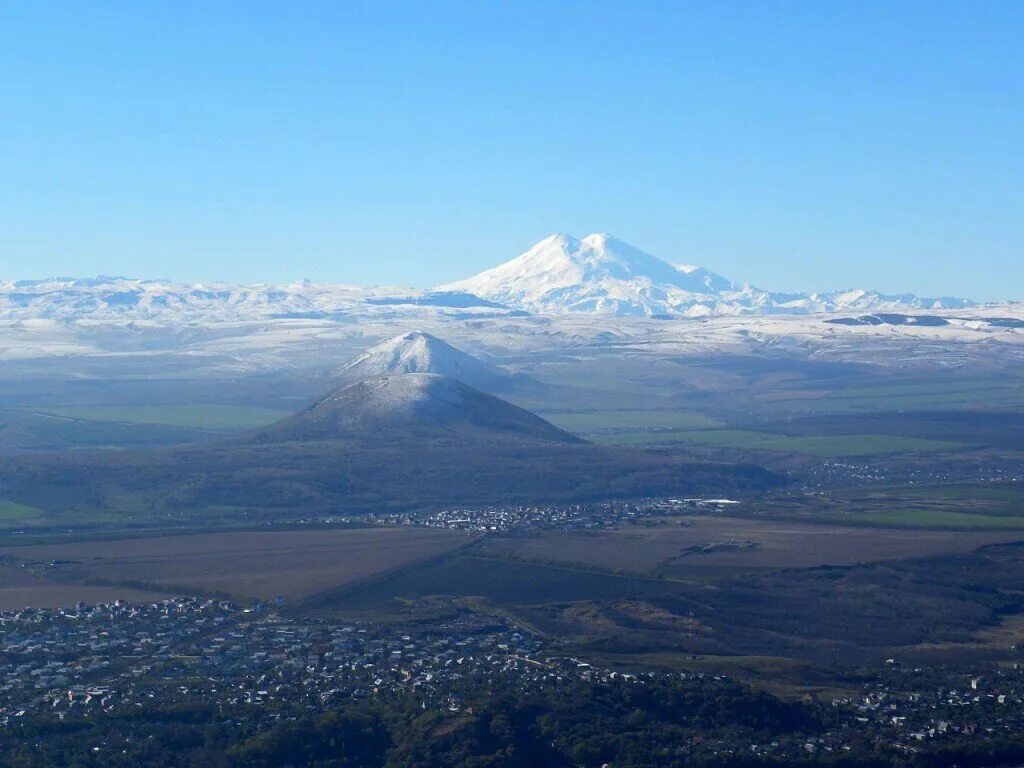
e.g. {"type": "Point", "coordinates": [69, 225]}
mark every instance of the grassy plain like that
{"type": "Point", "coordinates": [213, 416]}
{"type": "Point", "coordinates": [11, 512]}
{"type": "Point", "coordinates": [853, 394]}
{"type": "Point", "coordinates": [33, 430]}
{"type": "Point", "coordinates": [587, 423]}
{"type": "Point", "coordinates": [965, 506]}
{"type": "Point", "coordinates": [818, 446]}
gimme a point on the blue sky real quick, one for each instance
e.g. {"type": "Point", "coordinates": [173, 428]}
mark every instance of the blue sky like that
{"type": "Point", "coordinates": [796, 145]}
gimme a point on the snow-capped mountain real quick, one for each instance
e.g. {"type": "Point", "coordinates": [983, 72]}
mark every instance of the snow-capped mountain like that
{"type": "Point", "coordinates": [600, 274]}
{"type": "Point", "coordinates": [559, 275]}
{"type": "Point", "coordinates": [421, 352]}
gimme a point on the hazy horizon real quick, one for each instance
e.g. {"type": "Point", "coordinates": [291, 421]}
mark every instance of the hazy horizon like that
{"type": "Point", "coordinates": [398, 284]}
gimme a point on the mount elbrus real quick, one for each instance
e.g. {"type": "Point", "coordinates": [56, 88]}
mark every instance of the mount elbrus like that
{"type": "Point", "coordinates": [561, 274]}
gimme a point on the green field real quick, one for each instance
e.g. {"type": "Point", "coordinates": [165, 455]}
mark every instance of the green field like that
{"type": "Point", "coordinates": [208, 416]}
{"type": "Point", "coordinates": [820, 446]}
{"type": "Point", "coordinates": [907, 396]}
{"type": "Point", "coordinates": [597, 421]}
{"type": "Point", "coordinates": [11, 512]}
{"type": "Point", "coordinates": [1011, 494]}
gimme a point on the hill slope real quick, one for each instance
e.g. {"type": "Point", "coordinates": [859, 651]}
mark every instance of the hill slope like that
{"type": "Point", "coordinates": [413, 406]}
{"type": "Point", "coordinates": [404, 441]}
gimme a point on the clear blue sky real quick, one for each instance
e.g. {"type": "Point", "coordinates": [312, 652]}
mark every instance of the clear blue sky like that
{"type": "Point", "coordinates": [797, 145]}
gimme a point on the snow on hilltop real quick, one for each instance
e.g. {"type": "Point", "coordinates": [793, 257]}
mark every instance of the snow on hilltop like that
{"type": "Point", "coordinates": [600, 274]}
{"type": "Point", "coordinates": [420, 352]}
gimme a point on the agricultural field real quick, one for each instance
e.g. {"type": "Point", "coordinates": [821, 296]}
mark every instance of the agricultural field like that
{"type": "Point", "coordinates": [916, 395]}
{"type": "Point", "coordinates": [1005, 498]}
{"type": "Point", "coordinates": [709, 544]}
{"type": "Point", "coordinates": [25, 587]}
{"type": "Point", "coordinates": [116, 427]}
{"type": "Point", "coordinates": [46, 595]}
{"type": "Point", "coordinates": [977, 506]}
{"type": "Point", "coordinates": [828, 446]}
{"type": "Point", "coordinates": [33, 431]}
{"type": "Point", "coordinates": [212, 416]}
{"type": "Point", "coordinates": [589, 423]}
{"type": "Point", "coordinates": [294, 565]}
{"type": "Point", "coordinates": [16, 514]}
{"type": "Point", "coordinates": [493, 580]}
{"type": "Point", "coordinates": [863, 611]}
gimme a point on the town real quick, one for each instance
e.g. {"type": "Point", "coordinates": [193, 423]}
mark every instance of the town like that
{"type": "Point", "coordinates": [257, 663]}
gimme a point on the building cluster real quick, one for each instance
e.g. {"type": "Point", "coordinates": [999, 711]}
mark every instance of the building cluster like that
{"type": "Point", "coordinates": [70, 657]}
{"type": "Point", "coordinates": [933, 470]}
{"type": "Point", "coordinates": [117, 656]}
{"type": "Point", "coordinates": [256, 664]}
{"type": "Point", "coordinates": [563, 517]}
{"type": "Point", "coordinates": [908, 707]}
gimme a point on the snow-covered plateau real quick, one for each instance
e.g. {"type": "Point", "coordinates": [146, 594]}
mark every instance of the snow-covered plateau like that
{"type": "Point", "coordinates": [568, 296]}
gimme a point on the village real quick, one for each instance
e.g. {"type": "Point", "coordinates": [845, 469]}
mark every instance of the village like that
{"type": "Point", "coordinates": [564, 517]}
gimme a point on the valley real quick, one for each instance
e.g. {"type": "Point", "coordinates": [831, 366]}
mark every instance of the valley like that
{"type": "Point", "coordinates": [804, 508]}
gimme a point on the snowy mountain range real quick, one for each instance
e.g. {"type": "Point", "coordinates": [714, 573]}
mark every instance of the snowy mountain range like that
{"type": "Point", "coordinates": [559, 275]}
{"type": "Point", "coordinates": [599, 274]}
{"type": "Point", "coordinates": [163, 302]}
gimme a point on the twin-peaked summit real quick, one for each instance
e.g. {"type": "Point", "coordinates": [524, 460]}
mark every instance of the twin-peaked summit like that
{"type": "Point", "coordinates": [603, 275]}
{"type": "Point", "coordinates": [597, 273]}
